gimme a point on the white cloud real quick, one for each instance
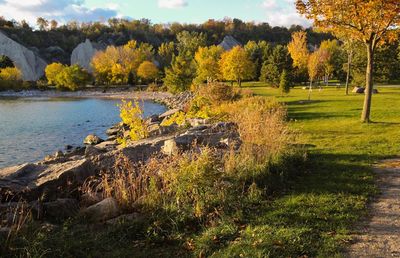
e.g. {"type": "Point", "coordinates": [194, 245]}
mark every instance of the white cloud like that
{"type": "Point", "coordinates": [172, 4]}
{"type": "Point", "coordinates": [283, 13]}
{"type": "Point", "coordinates": [60, 10]}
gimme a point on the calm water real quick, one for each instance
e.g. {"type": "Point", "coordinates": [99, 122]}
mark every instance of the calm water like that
{"type": "Point", "coordinates": [30, 129]}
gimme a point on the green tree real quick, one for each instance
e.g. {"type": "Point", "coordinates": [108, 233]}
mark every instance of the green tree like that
{"type": "Point", "coordinates": [166, 53]}
{"type": "Point", "coordinates": [189, 42]}
{"type": "Point", "coordinates": [272, 68]}
{"type": "Point", "coordinates": [179, 77]}
{"type": "Point", "coordinates": [284, 85]}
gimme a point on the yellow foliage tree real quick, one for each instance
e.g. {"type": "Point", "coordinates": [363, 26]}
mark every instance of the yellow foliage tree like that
{"type": "Point", "coordinates": [51, 71]}
{"type": "Point", "coordinates": [315, 67]}
{"type": "Point", "coordinates": [371, 22]}
{"type": "Point", "coordinates": [10, 74]}
{"type": "Point", "coordinates": [236, 65]}
{"type": "Point", "coordinates": [298, 50]}
{"type": "Point", "coordinates": [207, 59]}
{"type": "Point", "coordinates": [115, 64]}
{"type": "Point", "coordinates": [148, 71]}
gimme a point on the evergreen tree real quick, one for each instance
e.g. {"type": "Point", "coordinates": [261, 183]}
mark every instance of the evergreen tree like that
{"type": "Point", "coordinates": [284, 85]}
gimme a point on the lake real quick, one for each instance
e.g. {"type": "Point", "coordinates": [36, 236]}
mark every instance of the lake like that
{"type": "Point", "coordinates": [32, 128]}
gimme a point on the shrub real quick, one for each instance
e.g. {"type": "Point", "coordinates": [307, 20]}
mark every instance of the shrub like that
{"type": "Point", "coordinates": [132, 115]}
{"type": "Point", "coordinates": [217, 93]}
{"type": "Point", "coordinates": [153, 87]}
{"type": "Point", "coordinates": [10, 74]}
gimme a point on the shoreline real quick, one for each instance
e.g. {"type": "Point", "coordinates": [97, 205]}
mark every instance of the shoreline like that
{"type": "Point", "coordinates": [89, 93]}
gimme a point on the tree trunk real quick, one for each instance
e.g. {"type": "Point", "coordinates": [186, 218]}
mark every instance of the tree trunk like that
{"type": "Point", "coordinates": [310, 90]}
{"type": "Point", "coordinates": [349, 60]}
{"type": "Point", "coordinates": [240, 83]}
{"type": "Point", "coordinates": [365, 116]}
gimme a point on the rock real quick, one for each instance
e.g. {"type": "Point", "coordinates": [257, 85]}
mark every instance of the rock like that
{"type": "Point", "coordinates": [113, 130]}
{"type": "Point", "coordinates": [30, 64]}
{"type": "Point", "coordinates": [153, 119]}
{"type": "Point", "coordinates": [88, 199]}
{"type": "Point", "coordinates": [60, 209]}
{"type": "Point", "coordinates": [375, 91]}
{"type": "Point", "coordinates": [170, 147]}
{"type": "Point", "coordinates": [92, 151]}
{"type": "Point", "coordinates": [219, 135]}
{"type": "Point", "coordinates": [102, 211]}
{"type": "Point", "coordinates": [59, 154]}
{"type": "Point", "coordinates": [34, 180]}
{"type": "Point", "coordinates": [358, 90]}
{"type": "Point", "coordinates": [154, 129]}
{"type": "Point", "coordinates": [124, 218]}
{"type": "Point", "coordinates": [229, 42]}
{"type": "Point", "coordinates": [169, 113]}
{"type": "Point", "coordinates": [106, 145]}
{"type": "Point", "coordinates": [92, 139]}
{"type": "Point", "coordinates": [197, 121]}
{"type": "Point", "coordinates": [83, 54]}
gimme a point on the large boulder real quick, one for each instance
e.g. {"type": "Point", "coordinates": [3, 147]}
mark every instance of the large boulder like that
{"type": "Point", "coordinates": [92, 139]}
{"type": "Point", "coordinates": [44, 180]}
{"type": "Point", "coordinates": [30, 64]}
{"type": "Point", "coordinates": [102, 211]}
{"type": "Point", "coordinates": [358, 90]}
{"type": "Point", "coordinates": [60, 209]}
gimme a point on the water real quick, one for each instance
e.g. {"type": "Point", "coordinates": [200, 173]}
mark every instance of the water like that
{"type": "Point", "coordinates": [30, 129]}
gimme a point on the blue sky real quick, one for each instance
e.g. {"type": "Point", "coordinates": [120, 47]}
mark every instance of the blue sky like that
{"type": "Point", "coordinates": [275, 12]}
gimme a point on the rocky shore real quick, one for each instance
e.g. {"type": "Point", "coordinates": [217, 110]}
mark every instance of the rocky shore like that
{"type": "Point", "coordinates": [51, 187]}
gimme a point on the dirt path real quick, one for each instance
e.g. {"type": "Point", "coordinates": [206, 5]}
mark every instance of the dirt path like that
{"type": "Point", "coordinates": [380, 235]}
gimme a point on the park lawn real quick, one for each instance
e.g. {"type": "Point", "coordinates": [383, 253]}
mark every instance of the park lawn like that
{"type": "Point", "coordinates": [319, 211]}
{"type": "Point", "coordinates": [313, 216]}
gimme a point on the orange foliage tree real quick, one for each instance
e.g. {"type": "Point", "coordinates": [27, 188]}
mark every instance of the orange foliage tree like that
{"type": "Point", "coordinates": [371, 22]}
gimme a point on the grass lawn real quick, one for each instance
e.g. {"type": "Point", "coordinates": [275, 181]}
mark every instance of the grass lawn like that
{"type": "Point", "coordinates": [321, 208]}
{"type": "Point", "coordinates": [313, 217]}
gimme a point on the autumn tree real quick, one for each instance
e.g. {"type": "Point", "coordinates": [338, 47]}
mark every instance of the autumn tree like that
{"type": "Point", "coordinates": [148, 71]}
{"type": "Point", "coordinates": [315, 67]}
{"type": "Point", "coordinates": [236, 65]}
{"type": "Point", "coordinates": [116, 65]}
{"type": "Point", "coordinates": [53, 24]}
{"type": "Point", "coordinates": [10, 74]}
{"type": "Point", "coordinates": [371, 22]}
{"type": "Point", "coordinates": [207, 59]}
{"type": "Point", "coordinates": [333, 59]}
{"type": "Point", "coordinates": [42, 23]}
{"type": "Point", "coordinates": [72, 78]}
{"type": "Point", "coordinates": [298, 50]}
{"type": "Point", "coordinates": [51, 71]}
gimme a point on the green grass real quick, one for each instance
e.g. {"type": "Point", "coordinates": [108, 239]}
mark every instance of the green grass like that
{"type": "Point", "coordinates": [315, 214]}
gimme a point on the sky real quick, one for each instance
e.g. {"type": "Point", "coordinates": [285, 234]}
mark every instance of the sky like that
{"type": "Point", "coordinates": [275, 12]}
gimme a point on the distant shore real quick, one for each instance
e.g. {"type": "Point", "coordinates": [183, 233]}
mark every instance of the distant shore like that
{"type": "Point", "coordinates": [112, 93]}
